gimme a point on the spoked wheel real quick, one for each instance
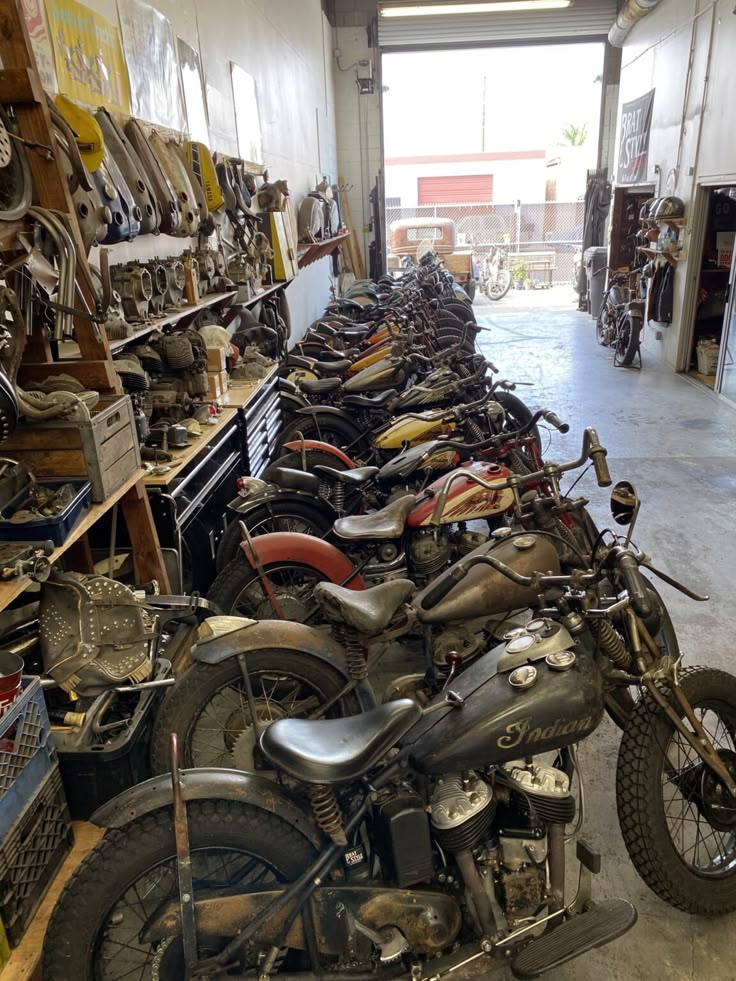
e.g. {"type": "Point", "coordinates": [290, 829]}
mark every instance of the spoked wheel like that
{"type": "Point", "coordinates": [239, 591]}
{"type": "Point", "coordinates": [208, 707]}
{"type": "Point", "coordinates": [677, 818]}
{"type": "Point", "coordinates": [96, 931]}
{"type": "Point", "coordinates": [15, 176]}
{"type": "Point", "coordinates": [305, 520]}
{"type": "Point", "coordinates": [605, 330]}
{"type": "Point", "coordinates": [500, 286]}
{"type": "Point", "coordinates": [627, 343]}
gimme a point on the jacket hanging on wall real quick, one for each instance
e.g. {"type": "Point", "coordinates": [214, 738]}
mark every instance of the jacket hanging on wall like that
{"type": "Point", "coordinates": [660, 299]}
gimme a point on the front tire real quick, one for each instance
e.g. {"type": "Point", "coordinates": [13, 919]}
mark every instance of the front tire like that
{"type": "Point", "coordinates": [679, 830]}
{"type": "Point", "coordinates": [94, 930]}
{"type": "Point", "coordinates": [208, 707]}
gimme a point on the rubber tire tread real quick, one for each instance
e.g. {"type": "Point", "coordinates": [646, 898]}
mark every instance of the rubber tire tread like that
{"type": "Point", "coordinates": [639, 801]}
{"type": "Point", "coordinates": [632, 344]}
{"type": "Point", "coordinates": [78, 915]}
{"type": "Point", "coordinates": [202, 681]}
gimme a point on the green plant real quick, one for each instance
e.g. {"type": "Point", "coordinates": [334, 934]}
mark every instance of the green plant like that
{"type": "Point", "coordinates": [575, 135]}
{"type": "Point", "coordinates": [518, 271]}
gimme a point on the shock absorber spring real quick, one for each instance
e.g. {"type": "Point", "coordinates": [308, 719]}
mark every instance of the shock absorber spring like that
{"type": "Point", "coordinates": [611, 644]}
{"type": "Point", "coordinates": [475, 433]}
{"type": "Point", "coordinates": [563, 531]}
{"type": "Point", "coordinates": [327, 812]}
{"type": "Point", "coordinates": [354, 651]}
{"type": "Point", "coordinates": [338, 496]}
{"type": "Point", "coordinates": [518, 463]}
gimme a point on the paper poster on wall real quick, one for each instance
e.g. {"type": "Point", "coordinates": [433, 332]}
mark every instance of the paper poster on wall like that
{"type": "Point", "coordinates": [633, 150]}
{"type": "Point", "coordinates": [89, 57]}
{"type": "Point", "coordinates": [153, 65]}
{"type": "Point", "coordinates": [191, 81]}
{"type": "Point", "coordinates": [247, 117]}
{"type": "Point", "coordinates": [221, 116]}
{"type": "Point", "coordinates": [41, 43]}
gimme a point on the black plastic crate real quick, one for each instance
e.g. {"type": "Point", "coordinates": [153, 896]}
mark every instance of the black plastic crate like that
{"type": "Point", "coordinates": [96, 769]}
{"type": "Point", "coordinates": [41, 529]}
{"type": "Point", "coordinates": [31, 854]}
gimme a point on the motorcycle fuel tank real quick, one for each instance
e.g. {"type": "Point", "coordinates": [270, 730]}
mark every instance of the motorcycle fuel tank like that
{"type": "Point", "coordinates": [502, 720]}
{"type": "Point", "coordinates": [466, 500]}
{"type": "Point", "coordinates": [386, 373]}
{"type": "Point", "coordinates": [485, 591]}
{"type": "Point", "coordinates": [413, 429]}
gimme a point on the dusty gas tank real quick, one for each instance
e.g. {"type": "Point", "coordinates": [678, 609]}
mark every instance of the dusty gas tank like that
{"type": "Point", "coordinates": [485, 591]}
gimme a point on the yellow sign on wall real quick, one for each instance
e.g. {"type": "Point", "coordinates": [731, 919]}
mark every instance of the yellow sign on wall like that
{"type": "Point", "coordinates": [89, 56]}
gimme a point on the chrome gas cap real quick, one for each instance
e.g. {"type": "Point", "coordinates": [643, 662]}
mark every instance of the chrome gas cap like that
{"type": "Point", "coordinates": [524, 542]}
{"type": "Point", "coordinates": [515, 632]}
{"type": "Point", "coordinates": [560, 660]}
{"type": "Point", "coordinates": [536, 626]}
{"type": "Point", "coordinates": [523, 677]}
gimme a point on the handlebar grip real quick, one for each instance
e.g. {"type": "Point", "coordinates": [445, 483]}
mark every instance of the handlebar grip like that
{"type": "Point", "coordinates": [602, 472]}
{"type": "Point", "coordinates": [554, 420]}
{"type": "Point", "coordinates": [446, 584]}
{"type": "Point", "coordinates": [635, 585]}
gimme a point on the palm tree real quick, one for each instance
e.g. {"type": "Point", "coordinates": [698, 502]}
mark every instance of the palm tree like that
{"type": "Point", "coordinates": [575, 135]}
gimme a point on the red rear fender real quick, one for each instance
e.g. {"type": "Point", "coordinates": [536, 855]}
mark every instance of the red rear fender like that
{"type": "Point", "coordinates": [317, 444]}
{"type": "Point", "coordinates": [290, 546]}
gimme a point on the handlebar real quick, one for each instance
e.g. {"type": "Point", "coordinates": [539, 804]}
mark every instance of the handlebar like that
{"type": "Point", "coordinates": [554, 420]}
{"type": "Point", "coordinates": [634, 581]}
{"type": "Point", "coordinates": [592, 450]}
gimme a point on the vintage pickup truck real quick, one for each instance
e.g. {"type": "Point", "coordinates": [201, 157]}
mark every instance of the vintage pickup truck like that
{"type": "Point", "coordinates": [406, 235]}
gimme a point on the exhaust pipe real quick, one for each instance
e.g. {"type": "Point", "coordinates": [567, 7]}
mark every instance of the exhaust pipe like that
{"type": "Point", "coordinates": [631, 12]}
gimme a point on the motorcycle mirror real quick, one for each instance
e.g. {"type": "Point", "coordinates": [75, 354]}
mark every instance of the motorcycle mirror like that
{"type": "Point", "coordinates": [624, 503]}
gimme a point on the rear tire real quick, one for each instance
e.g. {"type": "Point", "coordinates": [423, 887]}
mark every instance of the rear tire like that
{"type": "Point", "coordinates": [518, 415]}
{"type": "Point", "coordinates": [238, 591]}
{"type": "Point", "coordinates": [75, 941]}
{"type": "Point", "coordinates": [200, 701]}
{"type": "Point", "coordinates": [627, 343]}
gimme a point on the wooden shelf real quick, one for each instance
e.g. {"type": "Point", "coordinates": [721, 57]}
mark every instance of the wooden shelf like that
{"type": "Point", "coordinates": [307, 253]}
{"type": "Point", "coordinates": [11, 589]}
{"type": "Point", "coordinates": [268, 291]}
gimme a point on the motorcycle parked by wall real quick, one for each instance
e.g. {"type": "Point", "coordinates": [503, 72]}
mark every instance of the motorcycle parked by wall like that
{"type": "Point", "coordinates": [620, 319]}
{"type": "Point", "coordinates": [433, 841]}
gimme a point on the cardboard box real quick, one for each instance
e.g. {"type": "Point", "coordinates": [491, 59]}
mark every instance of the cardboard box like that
{"type": "Point", "coordinates": [218, 382]}
{"type": "Point", "coordinates": [216, 359]}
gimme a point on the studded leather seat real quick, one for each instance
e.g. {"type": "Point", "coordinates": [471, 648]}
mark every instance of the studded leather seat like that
{"type": "Point", "coordinates": [330, 751]}
{"type": "Point", "coordinates": [367, 610]}
{"type": "Point", "coordinates": [389, 522]}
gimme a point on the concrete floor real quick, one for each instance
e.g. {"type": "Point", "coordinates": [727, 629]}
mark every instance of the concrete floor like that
{"type": "Point", "coordinates": [677, 443]}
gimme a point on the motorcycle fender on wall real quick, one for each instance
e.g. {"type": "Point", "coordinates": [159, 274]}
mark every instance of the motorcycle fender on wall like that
{"type": "Point", "coordinates": [291, 546]}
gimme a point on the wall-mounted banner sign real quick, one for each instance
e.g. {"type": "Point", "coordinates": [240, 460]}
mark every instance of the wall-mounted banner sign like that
{"type": "Point", "coordinates": [633, 149]}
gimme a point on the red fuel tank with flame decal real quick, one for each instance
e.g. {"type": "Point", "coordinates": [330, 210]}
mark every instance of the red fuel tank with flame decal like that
{"type": "Point", "coordinates": [466, 500]}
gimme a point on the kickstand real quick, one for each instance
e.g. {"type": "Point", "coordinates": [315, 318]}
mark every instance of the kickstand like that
{"type": "Point", "coordinates": [183, 865]}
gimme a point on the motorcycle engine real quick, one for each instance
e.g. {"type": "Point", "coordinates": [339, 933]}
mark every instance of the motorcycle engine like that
{"type": "Point", "coordinates": [430, 552]}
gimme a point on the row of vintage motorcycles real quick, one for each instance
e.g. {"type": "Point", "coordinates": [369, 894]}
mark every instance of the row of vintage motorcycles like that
{"type": "Point", "coordinates": [320, 829]}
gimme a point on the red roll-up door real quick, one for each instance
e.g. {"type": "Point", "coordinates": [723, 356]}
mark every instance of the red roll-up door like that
{"type": "Point", "coordinates": [461, 189]}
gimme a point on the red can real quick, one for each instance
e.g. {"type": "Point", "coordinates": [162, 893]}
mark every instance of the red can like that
{"type": "Point", "coordinates": [11, 669]}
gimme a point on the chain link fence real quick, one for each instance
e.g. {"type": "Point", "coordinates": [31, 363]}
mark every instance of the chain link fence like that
{"type": "Point", "coordinates": [552, 231]}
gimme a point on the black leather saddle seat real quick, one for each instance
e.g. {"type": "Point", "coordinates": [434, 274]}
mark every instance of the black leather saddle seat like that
{"type": "Point", "coordinates": [353, 332]}
{"type": "Point", "coordinates": [320, 385]}
{"type": "Point", "coordinates": [291, 479]}
{"type": "Point", "coordinates": [331, 367]}
{"type": "Point", "coordinates": [387, 523]}
{"type": "Point", "coordinates": [367, 610]}
{"type": "Point", "coordinates": [371, 401]}
{"type": "Point", "coordinates": [330, 751]}
{"type": "Point", "coordinates": [353, 478]}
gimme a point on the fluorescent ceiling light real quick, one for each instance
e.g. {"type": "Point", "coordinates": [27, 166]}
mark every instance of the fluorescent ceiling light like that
{"type": "Point", "coordinates": [489, 7]}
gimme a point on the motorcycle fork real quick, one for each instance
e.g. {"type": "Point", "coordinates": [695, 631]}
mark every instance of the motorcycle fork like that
{"type": "Point", "coordinates": [253, 558]}
{"type": "Point", "coordinates": [695, 734]}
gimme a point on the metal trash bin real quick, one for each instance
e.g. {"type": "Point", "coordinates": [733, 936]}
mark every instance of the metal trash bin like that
{"type": "Point", "coordinates": [595, 261]}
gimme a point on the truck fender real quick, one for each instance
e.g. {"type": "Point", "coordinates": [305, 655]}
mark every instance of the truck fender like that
{"type": "Point", "coordinates": [209, 783]}
{"type": "Point", "coordinates": [318, 444]}
{"type": "Point", "coordinates": [293, 546]}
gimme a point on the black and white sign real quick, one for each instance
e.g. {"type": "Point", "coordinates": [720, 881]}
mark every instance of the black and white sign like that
{"type": "Point", "coordinates": [633, 150]}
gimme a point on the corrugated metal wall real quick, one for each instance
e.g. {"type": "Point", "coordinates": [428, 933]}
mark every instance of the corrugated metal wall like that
{"type": "Point", "coordinates": [583, 20]}
{"type": "Point", "coordinates": [472, 188]}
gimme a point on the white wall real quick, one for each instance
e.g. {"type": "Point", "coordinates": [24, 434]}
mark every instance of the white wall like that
{"type": "Point", "coordinates": [358, 123]}
{"type": "Point", "coordinates": [286, 46]}
{"type": "Point", "coordinates": [691, 146]}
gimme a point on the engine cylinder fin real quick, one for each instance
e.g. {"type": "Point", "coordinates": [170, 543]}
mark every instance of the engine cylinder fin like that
{"type": "Point", "coordinates": [551, 810]}
{"type": "Point", "coordinates": [467, 835]}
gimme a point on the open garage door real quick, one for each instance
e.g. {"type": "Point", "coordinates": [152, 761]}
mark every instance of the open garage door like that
{"type": "Point", "coordinates": [583, 20]}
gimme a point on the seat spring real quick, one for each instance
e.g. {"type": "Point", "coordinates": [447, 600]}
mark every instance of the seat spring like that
{"type": "Point", "coordinates": [327, 812]}
{"type": "Point", "coordinates": [338, 497]}
{"type": "Point", "coordinates": [354, 651]}
{"type": "Point", "coordinates": [610, 643]}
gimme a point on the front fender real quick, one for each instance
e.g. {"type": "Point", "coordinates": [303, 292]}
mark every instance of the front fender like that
{"type": "Point", "coordinates": [292, 546]}
{"type": "Point", "coordinates": [209, 783]}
